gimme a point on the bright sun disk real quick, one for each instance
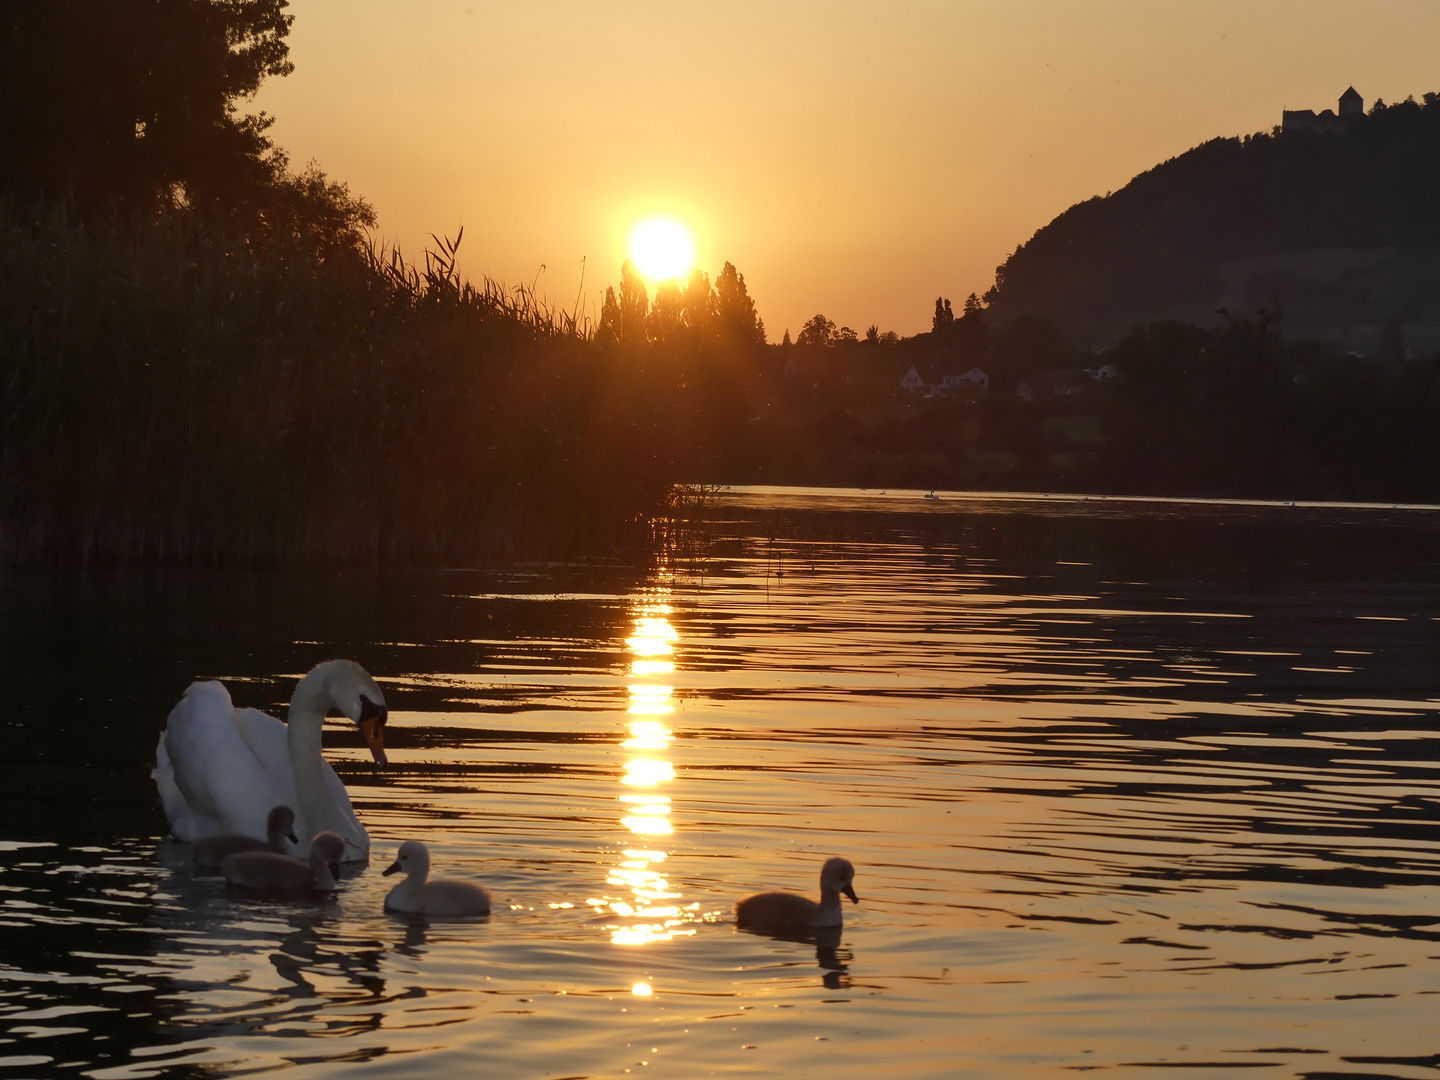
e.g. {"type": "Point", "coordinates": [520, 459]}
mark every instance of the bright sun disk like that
{"type": "Point", "coordinates": [661, 249]}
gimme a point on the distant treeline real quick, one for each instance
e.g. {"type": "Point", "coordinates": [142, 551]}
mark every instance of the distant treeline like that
{"type": "Point", "coordinates": [1172, 409]}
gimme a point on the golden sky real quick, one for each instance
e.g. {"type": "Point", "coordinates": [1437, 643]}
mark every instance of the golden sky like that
{"type": "Point", "coordinates": [851, 158]}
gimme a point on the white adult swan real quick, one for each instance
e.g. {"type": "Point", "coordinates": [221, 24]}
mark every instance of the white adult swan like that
{"type": "Point", "coordinates": [221, 769]}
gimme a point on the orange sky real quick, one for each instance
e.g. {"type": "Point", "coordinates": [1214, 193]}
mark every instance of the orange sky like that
{"type": "Point", "coordinates": [855, 159]}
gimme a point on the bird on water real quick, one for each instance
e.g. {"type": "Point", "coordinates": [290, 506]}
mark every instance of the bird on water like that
{"type": "Point", "coordinates": [279, 834]}
{"type": "Point", "coordinates": [266, 871]}
{"type": "Point", "coordinates": [783, 911]}
{"type": "Point", "coordinates": [419, 896]}
{"type": "Point", "coordinates": [221, 769]}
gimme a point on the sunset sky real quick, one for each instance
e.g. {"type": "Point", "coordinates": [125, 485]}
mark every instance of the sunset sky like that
{"type": "Point", "coordinates": [851, 158]}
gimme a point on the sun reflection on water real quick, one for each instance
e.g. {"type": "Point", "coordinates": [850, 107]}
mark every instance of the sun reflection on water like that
{"type": "Point", "coordinates": [651, 909]}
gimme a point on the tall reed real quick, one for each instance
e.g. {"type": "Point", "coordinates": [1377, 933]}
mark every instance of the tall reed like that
{"type": "Point", "coordinates": [168, 392]}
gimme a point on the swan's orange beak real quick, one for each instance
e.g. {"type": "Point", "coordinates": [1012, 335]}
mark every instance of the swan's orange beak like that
{"type": "Point", "coordinates": [373, 728]}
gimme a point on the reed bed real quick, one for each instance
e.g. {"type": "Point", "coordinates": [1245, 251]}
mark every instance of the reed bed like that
{"type": "Point", "coordinates": [170, 393]}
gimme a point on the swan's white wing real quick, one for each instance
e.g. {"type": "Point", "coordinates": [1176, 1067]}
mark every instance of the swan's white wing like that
{"type": "Point", "coordinates": [268, 740]}
{"type": "Point", "coordinates": [225, 785]}
{"type": "Point", "coordinates": [177, 811]}
{"type": "Point", "coordinates": [265, 736]}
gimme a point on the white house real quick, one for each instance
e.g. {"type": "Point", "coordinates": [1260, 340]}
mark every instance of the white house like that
{"type": "Point", "coordinates": [976, 377]}
{"type": "Point", "coordinates": [953, 384]}
{"type": "Point", "coordinates": [912, 383]}
{"type": "Point", "coordinates": [1024, 391]}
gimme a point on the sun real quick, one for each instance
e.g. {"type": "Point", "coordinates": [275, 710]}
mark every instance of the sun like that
{"type": "Point", "coordinates": [661, 249]}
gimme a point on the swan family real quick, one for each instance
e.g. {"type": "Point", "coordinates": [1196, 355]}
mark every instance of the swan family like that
{"type": "Point", "coordinates": [256, 797]}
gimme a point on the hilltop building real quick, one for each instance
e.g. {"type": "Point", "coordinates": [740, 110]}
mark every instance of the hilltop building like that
{"type": "Point", "coordinates": [1351, 107]}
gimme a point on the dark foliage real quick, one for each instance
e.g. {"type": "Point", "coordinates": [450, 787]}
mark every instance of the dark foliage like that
{"type": "Point", "coordinates": [171, 394]}
{"type": "Point", "coordinates": [112, 102]}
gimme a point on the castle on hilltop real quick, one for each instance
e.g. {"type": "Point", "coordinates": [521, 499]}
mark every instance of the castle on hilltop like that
{"type": "Point", "coordinates": [1352, 107]}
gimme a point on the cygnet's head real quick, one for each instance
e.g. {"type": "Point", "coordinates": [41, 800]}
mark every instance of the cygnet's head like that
{"type": "Point", "coordinates": [837, 875]}
{"type": "Point", "coordinates": [358, 696]}
{"type": "Point", "coordinates": [412, 858]}
{"type": "Point", "coordinates": [281, 822]}
{"type": "Point", "coordinates": [329, 848]}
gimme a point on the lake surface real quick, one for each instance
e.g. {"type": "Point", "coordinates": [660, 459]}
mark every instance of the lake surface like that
{"type": "Point", "coordinates": [1130, 786]}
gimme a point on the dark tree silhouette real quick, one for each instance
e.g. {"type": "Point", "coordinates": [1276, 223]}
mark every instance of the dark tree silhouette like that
{"type": "Point", "coordinates": [698, 304]}
{"type": "Point", "coordinates": [666, 323]}
{"type": "Point", "coordinates": [818, 331]}
{"type": "Point", "coordinates": [734, 310]}
{"type": "Point", "coordinates": [634, 306]}
{"type": "Point", "coordinates": [126, 102]}
{"type": "Point", "coordinates": [944, 316]}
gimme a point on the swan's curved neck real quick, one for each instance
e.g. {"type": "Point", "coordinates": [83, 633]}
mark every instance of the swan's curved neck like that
{"type": "Point", "coordinates": [304, 724]}
{"type": "Point", "coordinates": [830, 913]}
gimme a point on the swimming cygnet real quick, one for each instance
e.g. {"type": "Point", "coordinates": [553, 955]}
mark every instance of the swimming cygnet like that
{"type": "Point", "coordinates": [279, 827]}
{"type": "Point", "coordinates": [269, 872]}
{"type": "Point", "coordinates": [782, 911]}
{"type": "Point", "coordinates": [445, 896]}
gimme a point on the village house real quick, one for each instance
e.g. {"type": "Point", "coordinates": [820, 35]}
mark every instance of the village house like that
{"type": "Point", "coordinates": [912, 383]}
{"type": "Point", "coordinates": [975, 377]}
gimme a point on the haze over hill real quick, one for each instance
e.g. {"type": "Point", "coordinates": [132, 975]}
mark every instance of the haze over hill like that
{"type": "Point", "coordinates": [1331, 223]}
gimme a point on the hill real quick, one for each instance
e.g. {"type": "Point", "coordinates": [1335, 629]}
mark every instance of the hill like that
{"type": "Point", "coordinates": [1337, 230]}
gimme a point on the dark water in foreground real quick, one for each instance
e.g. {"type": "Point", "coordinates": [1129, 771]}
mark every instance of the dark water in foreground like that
{"type": "Point", "coordinates": [1130, 787]}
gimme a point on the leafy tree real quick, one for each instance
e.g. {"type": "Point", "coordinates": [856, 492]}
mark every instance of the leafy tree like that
{"type": "Point", "coordinates": [817, 332]}
{"type": "Point", "coordinates": [698, 304]}
{"type": "Point", "coordinates": [944, 317]}
{"type": "Point", "coordinates": [129, 102]}
{"type": "Point", "coordinates": [134, 105]}
{"type": "Point", "coordinates": [667, 315]}
{"type": "Point", "coordinates": [608, 331]}
{"type": "Point", "coordinates": [734, 310]}
{"type": "Point", "coordinates": [634, 306]}
{"type": "Point", "coordinates": [786, 343]}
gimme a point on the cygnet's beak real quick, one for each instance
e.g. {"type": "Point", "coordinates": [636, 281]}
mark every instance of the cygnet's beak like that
{"type": "Point", "coordinates": [393, 868]}
{"type": "Point", "coordinates": [292, 837]}
{"type": "Point", "coordinates": [372, 726]}
{"type": "Point", "coordinates": [849, 891]}
{"type": "Point", "coordinates": [335, 869]}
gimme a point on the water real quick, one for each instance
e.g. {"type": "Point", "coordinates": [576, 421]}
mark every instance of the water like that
{"type": "Point", "coordinates": [1129, 787]}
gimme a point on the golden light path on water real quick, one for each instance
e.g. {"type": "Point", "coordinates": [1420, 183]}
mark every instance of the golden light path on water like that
{"type": "Point", "coordinates": [650, 911]}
